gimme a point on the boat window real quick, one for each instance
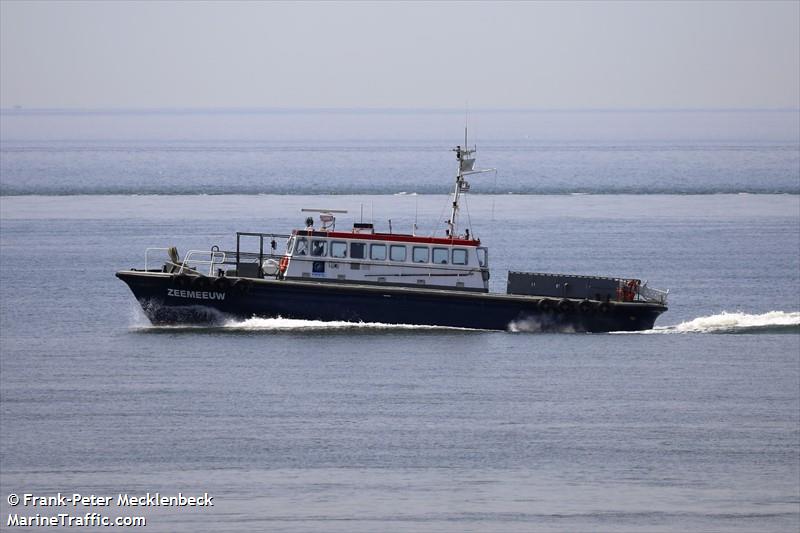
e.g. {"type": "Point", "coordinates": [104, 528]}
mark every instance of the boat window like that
{"type": "Point", "coordinates": [318, 247]}
{"type": "Point", "coordinates": [301, 248]}
{"type": "Point", "coordinates": [397, 252]}
{"type": "Point", "coordinates": [483, 257]}
{"type": "Point", "coordinates": [459, 256]}
{"type": "Point", "coordinates": [440, 256]}
{"type": "Point", "coordinates": [420, 254]}
{"type": "Point", "coordinates": [357, 250]}
{"type": "Point", "coordinates": [289, 246]}
{"type": "Point", "coordinates": [338, 249]}
{"type": "Point", "coordinates": [377, 252]}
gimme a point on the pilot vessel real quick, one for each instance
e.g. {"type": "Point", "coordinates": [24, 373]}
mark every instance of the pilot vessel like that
{"type": "Point", "coordinates": [362, 275]}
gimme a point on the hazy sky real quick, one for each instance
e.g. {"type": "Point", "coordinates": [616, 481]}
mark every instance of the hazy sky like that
{"type": "Point", "coordinates": [399, 55]}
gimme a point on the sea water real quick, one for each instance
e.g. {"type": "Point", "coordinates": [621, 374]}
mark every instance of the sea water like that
{"type": "Point", "coordinates": [296, 425]}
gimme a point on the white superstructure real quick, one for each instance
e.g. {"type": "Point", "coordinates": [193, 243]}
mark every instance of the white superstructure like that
{"type": "Point", "coordinates": [363, 256]}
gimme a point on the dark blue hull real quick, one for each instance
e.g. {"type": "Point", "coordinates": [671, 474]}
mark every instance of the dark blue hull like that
{"type": "Point", "coordinates": [169, 299]}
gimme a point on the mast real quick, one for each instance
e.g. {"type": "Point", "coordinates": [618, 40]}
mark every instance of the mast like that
{"type": "Point", "coordinates": [465, 164]}
{"type": "Point", "coordinates": [465, 167]}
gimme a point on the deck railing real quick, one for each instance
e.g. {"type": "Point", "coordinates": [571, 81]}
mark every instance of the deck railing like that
{"type": "Point", "coordinates": [216, 257]}
{"type": "Point", "coordinates": [147, 256]}
{"type": "Point", "coordinates": [275, 241]}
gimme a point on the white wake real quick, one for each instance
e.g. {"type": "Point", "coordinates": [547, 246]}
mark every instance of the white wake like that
{"type": "Point", "coordinates": [292, 324]}
{"type": "Point", "coordinates": [773, 321]}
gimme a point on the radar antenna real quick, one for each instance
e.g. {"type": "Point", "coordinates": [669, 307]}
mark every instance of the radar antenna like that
{"type": "Point", "coordinates": [326, 216]}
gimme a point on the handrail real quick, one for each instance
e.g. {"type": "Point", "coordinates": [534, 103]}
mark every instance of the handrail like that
{"type": "Point", "coordinates": [231, 256]}
{"type": "Point", "coordinates": [147, 255]}
{"type": "Point", "coordinates": [261, 255]}
{"type": "Point", "coordinates": [255, 234]}
{"type": "Point", "coordinates": [210, 262]}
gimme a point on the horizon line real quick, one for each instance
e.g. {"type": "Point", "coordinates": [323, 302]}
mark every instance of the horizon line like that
{"type": "Point", "coordinates": [22, 110]}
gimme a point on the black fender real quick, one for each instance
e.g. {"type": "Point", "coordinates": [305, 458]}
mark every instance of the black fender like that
{"type": "Point", "coordinates": [565, 306]}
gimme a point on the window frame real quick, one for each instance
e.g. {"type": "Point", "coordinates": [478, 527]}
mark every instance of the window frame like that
{"type": "Point", "coordinates": [305, 251]}
{"type": "Point", "coordinates": [392, 247]}
{"type": "Point", "coordinates": [446, 256]}
{"type": "Point", "coordinates": [453, 256]}
{"type": "Point", "coordinates": [427, 254]}
{"type": "Point", "coordinates": [483, 256]}
{"type": "Point", "coordinates": [315, 242]}
{"type": "Point", "coordinates": [334, 243]}
{"type": "Point", "coordinates": [375, 246]}
{"type": "Point", "coordinates": [362, 246]}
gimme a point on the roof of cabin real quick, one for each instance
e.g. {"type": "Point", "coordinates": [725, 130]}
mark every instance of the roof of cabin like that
{"type": "Point", "coordinates": [393, 237]}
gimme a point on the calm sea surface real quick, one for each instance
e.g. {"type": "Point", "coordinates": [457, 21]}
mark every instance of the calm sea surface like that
{"type": "Point", "coordinates": [298, 426]}
{"type": "Point", "coordinates": [384, 152]}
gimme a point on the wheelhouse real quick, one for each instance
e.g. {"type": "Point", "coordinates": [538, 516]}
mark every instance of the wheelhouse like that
{"type": "Point", "coordinates": [365, 257]}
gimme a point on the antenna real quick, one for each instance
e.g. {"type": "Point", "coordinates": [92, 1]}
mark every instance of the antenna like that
{"type": "Point", "coordinates": [494, 193]}
{"type": "Point", "coordinates": [416, 211]}
{"type": "Point", "coordinates": [466, 121]}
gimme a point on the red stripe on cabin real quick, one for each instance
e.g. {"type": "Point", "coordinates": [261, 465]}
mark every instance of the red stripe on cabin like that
{"type": "Point", "coordinates": [393, 237]}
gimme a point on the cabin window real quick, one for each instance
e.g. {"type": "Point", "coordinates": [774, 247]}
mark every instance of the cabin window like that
{"type": "Point", "coordinates": [338, 249]}
{"type": "Point", "coordinates": [397, 252]}
{"type": "Point", "coordinates": [289, 245]}
{"type": "Point", "coordinates": [357, 250]}
{"type": "Point", "coordinates": [483, 257]}
{"type": "Point", "coordinates": [420, 254]}
{"type": "Point", "coordinates": [318, 247]}
{"type": "Point", "coordinates": [459, 256]}
{"type": "Point", "coordinates": [301, 248]}
{"type": "Point", "coordinates": [377, 252]}
{"type": "Point", "coordinates": [440, 256]}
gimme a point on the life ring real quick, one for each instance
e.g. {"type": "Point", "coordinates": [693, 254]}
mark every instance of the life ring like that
{"type": "Point", "coordinates": [586, 307]}
{"type": "Point", "coordinates": [565, 306]}
{"type": "Point", "coordinates": [284, 264]}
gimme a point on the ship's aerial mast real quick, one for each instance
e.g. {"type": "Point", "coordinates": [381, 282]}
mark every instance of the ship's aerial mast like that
{"type": "Point", "coordinates": [466, 164]}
